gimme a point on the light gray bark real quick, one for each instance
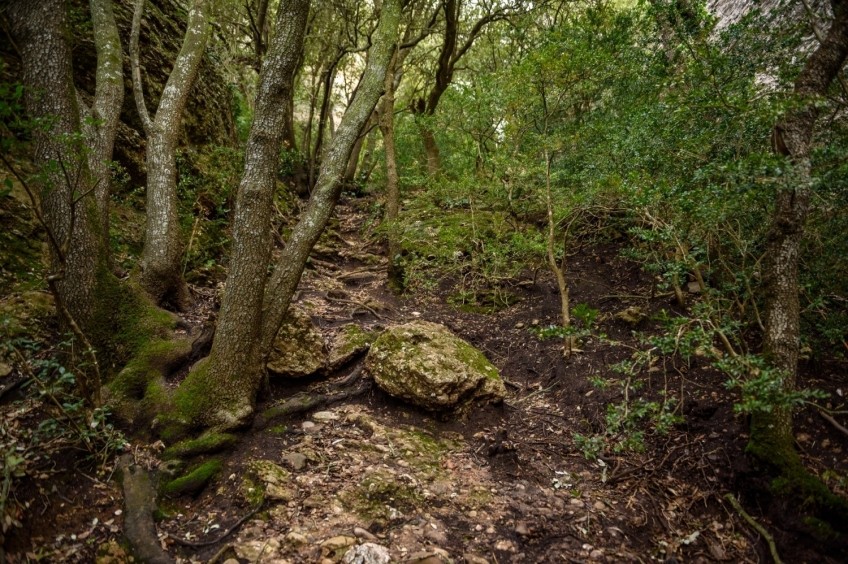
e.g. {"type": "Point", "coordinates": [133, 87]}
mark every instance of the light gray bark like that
{"type": "Point", "coordinates": [161, 257]}
{"type": "Point", "coordinates": [101, 127]}
{"type": "Point", "coordinates": [771, 433]}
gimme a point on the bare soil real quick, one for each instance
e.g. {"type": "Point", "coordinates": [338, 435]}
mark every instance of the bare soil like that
{"type": "Point", "coordinates": [507, 483]}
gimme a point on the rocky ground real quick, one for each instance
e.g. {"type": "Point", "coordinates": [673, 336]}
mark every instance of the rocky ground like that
{"type": "Point", "coordinates": [373, 479]}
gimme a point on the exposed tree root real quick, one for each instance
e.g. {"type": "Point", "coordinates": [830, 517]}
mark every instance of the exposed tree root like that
{"type": "Point", "coordinates": [220, 537]}
{"type": "Point", "coordinates": [839, 427]}
{"type": "Point", "coordinates": [759, 528]}
{"type": "Point", "coordinates": [139, 505]}
{"type": "Point", "coordinates": [305, 401]}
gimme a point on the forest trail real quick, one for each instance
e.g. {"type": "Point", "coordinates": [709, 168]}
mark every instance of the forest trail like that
{"type": "Point", "coordinates": [509, 483]}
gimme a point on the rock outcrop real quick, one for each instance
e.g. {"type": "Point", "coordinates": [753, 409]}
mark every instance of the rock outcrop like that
{"type": "Point", "coordinates": [427, 365]}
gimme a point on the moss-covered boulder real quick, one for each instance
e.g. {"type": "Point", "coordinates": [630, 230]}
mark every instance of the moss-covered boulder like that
{"type": "Point", "coordinates": [194, 480]}
{"type": "Point", "coordinates": [350, 342]}
{"type": "Point", "coordinates": [427, 365]}
{"type": "Point", "coordinates": [299, 349]}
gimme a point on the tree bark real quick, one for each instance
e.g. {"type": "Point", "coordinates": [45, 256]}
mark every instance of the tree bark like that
{"type": "Point", "coordinates": [105, 111]}
{"type": "Point", "coordinates": [234, 361]}
{"type": "Point", "coordinates": [290, 266]}
{"type": "Point", "coordinates": [161, 257]}
{"type": "Point", "coordinates": [772, 440]}
{"type": "Point", "coordinates": [40, 31]}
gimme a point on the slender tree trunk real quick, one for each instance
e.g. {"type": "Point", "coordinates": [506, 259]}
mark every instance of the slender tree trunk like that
{"type": "Point", "coordinates": [105, 112]}
{"type": "Point", "coordinates": [387, 128]}
{"type": "Point", "coordinates": [161, 258]}
{"type": "Point", "coordinates": [290, 266]}
{"type": "Point", "coordinates": [772, 440]}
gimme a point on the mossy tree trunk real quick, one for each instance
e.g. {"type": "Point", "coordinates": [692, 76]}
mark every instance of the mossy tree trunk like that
{"type": "Point", "coordinates": [772, 440]}
{"type": "Point", "coordinates": [67, 194]}
{"type": "Point", "coordinates": [160, 269]}
{"type": "Point", "coordinates": [221, 390]}
{"type": "Point", "coordinates": [234, 360]}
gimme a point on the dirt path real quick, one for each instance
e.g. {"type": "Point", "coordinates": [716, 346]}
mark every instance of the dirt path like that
{"type": "Point", "coordinates": [510, 483]}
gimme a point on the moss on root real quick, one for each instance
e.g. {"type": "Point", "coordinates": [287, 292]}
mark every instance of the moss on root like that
{"type": "Point", "coordinates": [793, 481]}
{"type": "Point", "coordinates": [202, 401]}
{"type": "Point", "coordinates": [194, 480]}
{"type": "Point", "coordinates": [208, 443]}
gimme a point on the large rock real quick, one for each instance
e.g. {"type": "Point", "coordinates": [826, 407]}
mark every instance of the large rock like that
{"type": "Point", "coordinates": [427, 365]}
{"type": "Point", "coordinates": [299, 349]}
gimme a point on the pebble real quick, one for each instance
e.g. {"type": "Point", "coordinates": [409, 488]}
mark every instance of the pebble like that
{"type": "Point", "coordinates": [599, 505]}
{"type": "Point", "coordinates": [309, 427]}
{"type": "Point", "coordinates": [576, 502]}
{"type": "Point", "coordinates": [596, 554]}
{"type": "Point", "coordinates": [367, 553]}
{"type": "Point", "coordinates": [324, 416]}
{"type": "Point", "coordinates": [338, 542]}
{"type": "Point", "coordinates": [472, 514]}
{"type": "Point", "coordinates": [296, 539]}
{"type": "Point", "coordinates": [438, 537]}
{"type": "Point", "coordinates": [295, 459]}
{"type": "Point", "coordinates": [521, 529]}
{"type": "Point", "coordinates": [474, 558]}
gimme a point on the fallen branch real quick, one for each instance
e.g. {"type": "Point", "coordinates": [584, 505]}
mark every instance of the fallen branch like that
{"type": "Point", "coordinates": [759, 528]}
{"type": "Point", "coordinates": [839, 427]}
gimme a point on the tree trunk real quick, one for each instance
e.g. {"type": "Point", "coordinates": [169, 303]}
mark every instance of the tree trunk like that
{"type": "Point", "coordinates": [233, 368]}
{"type": "Point", "coordinates": [221, 390]}
{"type": "Point", "coordinates": [387, 128]}
{"type": "Point", "coordinates": [431, 150]}
{"type": "Point", "coordinates": [39, 30]}
{"type": "Point", "coordinates": [290, 266]}
{"type": "Point", "coordinates": [161, 274]}
{"type": "Point", "coordinates": [105, 112]}
{"type": "Point", "coordinates": [772, 440]}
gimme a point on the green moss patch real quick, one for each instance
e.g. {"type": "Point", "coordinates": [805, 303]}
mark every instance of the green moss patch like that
{"type": "Point", "coordinates": [382, 496]}
{"type": "Point", "coordinates": [208, 443]}
{"type": "Point", "coordinates": [193, 481]}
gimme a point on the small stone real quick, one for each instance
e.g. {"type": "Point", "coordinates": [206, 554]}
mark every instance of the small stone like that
{"type": "Point", "coordinates": [309, 427]}
{"type": "Point", "coordinates": [596, 554]}
{"type": "Point", "coordinates": [436, 536]}
{"type": "Point", "coordinates": [472, 514]}
{"type": "Point", "coordinates": [5, 369]}
{"type": "Point", "coordinates": [335, 543]}
{"type": "Point", "coordinates": [361, 533]}
{"type": "Point", "coordinates": [471, 558]}
{"type": "Point", "coordinates": [535, 322]}
{"type": "Point", "coordinates": [295, 459]}
{"type": "Point", "coordinates": [324, 416]}
{"type": "Point", "coordinates": [231, 561]}
{"type": "Point", "coordinates": [296, 539]}
{"type": "Point", "coordinates": [520, 325]}
{"type": "Point", "coordinates": [367, 553]}
{"type": "Point", "coordinates": [576, 502]}
{"type": "Point", "coordinates": [599, 505]}
{"type": "Point", "coordinates": [521, 529]}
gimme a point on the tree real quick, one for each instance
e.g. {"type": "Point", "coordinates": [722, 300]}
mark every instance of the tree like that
{"type": "Point", "coordinates": [220, 390]}
{"type": "Point", "coordinates": [160, 269]}
{"type": "Point", "coordinates": [772, 440]}
{"type": "Point", "coordinates": [450, 53]}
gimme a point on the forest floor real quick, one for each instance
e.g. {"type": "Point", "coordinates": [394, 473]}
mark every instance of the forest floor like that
{"type": "Point", "coordinates": [506, 483]}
